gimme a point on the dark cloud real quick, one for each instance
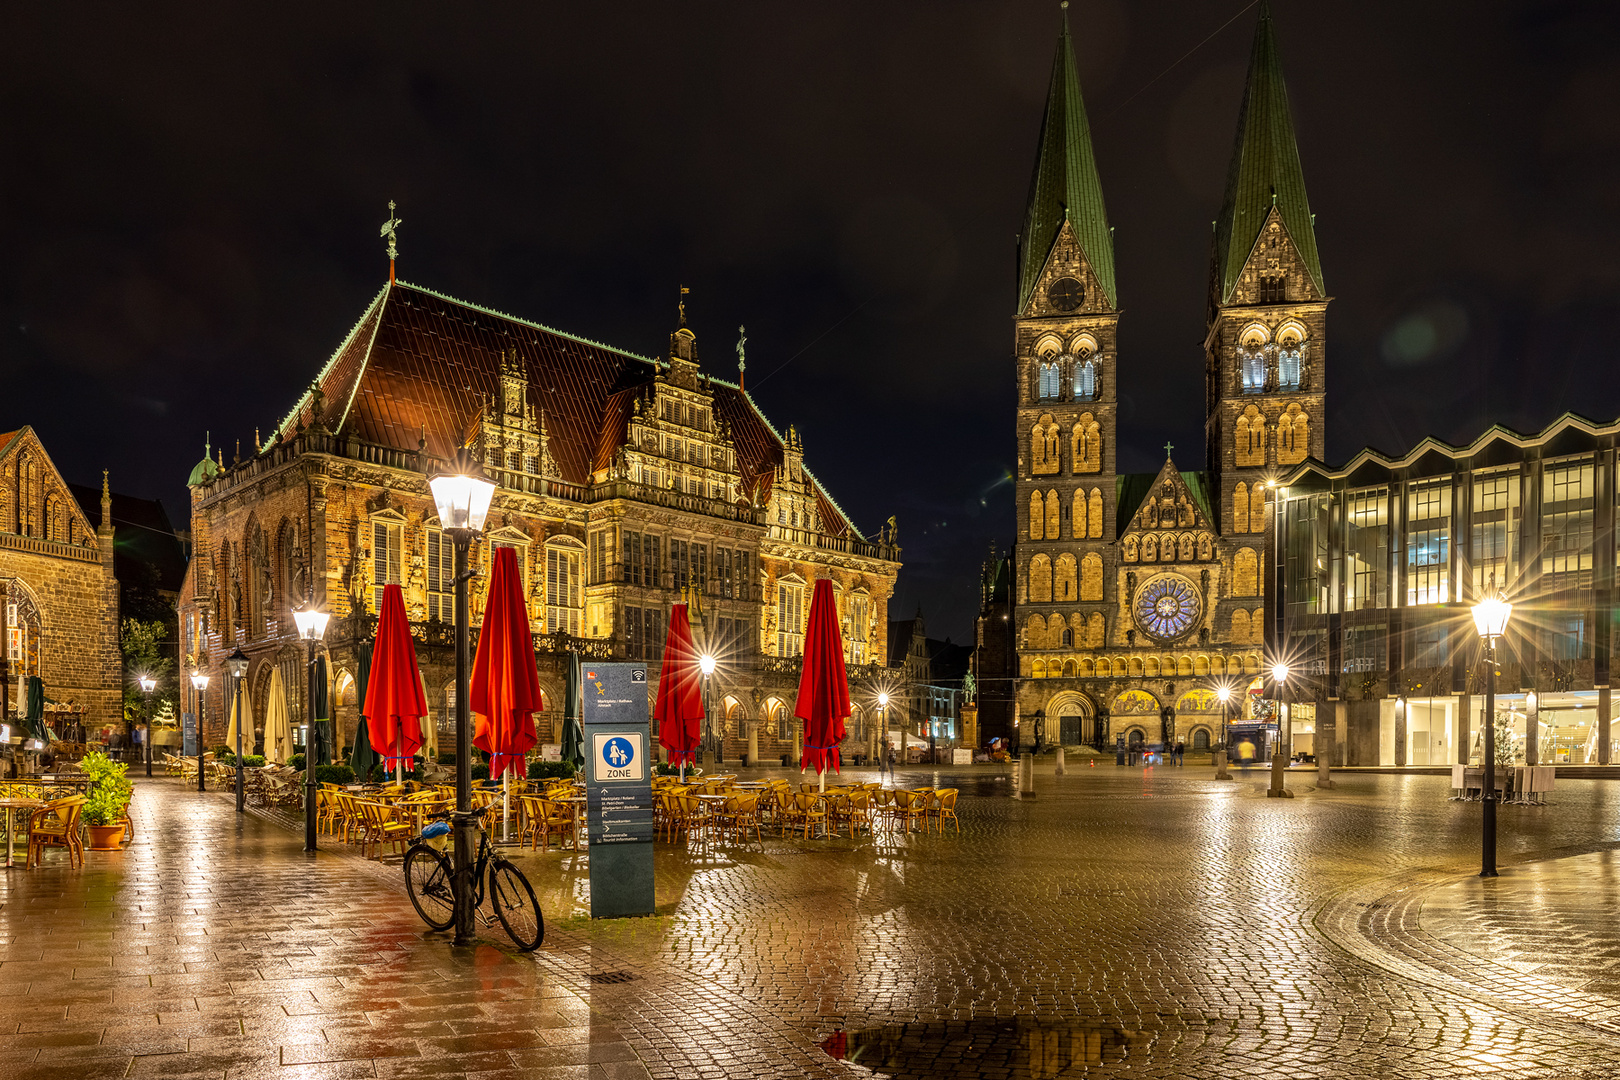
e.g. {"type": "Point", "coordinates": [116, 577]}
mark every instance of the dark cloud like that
{"type": "Point", "coordinates": [190, 195]}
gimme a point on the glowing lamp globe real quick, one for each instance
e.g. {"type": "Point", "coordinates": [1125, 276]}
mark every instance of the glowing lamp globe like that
{"type": "Point", "coordinates": [1491, 616]}
{"type": "Point", "coordinates": [148, 683]}
{"type": "Point", "coordinates": [1225, 694]}
{"type": "Point", "coordinates": [199, 680]}
{"type": "Point", "coordinates": [883, 699]}
{"type": "Point", "coordinates": [237, 663]}
{"type": "Point", "coordinates": [1279, 672]}
{"type": "Point", "coordinates": [311, 623]}
{"type": "Point", "coordinates": [706, 662]}
{"type": "Point", "coordinates": [461, 493]}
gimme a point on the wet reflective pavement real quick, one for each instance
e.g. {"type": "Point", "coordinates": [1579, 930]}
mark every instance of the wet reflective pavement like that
{"type": "Point", "coordinates": [1123, 922]}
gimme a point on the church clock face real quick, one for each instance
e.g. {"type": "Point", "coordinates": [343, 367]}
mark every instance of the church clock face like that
{"type": "Point", "coordinates": [1066, 294]}
{"type": "Point", "coordinates": [1167, 608]}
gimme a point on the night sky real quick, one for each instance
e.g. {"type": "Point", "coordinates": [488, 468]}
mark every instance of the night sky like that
{"type": "Point", "coordinates": [190, 199]}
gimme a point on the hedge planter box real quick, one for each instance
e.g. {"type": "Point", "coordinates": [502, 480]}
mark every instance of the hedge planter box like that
{"type": "Point", "coordinates": [106, 837]}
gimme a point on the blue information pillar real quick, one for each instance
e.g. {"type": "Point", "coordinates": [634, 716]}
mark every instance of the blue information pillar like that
{"type": "Point", "coordinates": [618, 791]}
{"type": "Point", "coordinates": [188, 734]}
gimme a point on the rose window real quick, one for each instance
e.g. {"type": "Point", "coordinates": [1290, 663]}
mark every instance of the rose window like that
{"type": "Point", "coordinates": [1168, 607]}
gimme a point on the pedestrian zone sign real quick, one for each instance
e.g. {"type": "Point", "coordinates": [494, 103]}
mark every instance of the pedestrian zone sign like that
{"type": "Point", "coordinates": [620, 756]}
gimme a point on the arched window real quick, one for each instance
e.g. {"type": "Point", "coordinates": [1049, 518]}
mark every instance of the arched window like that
{"type": "Point", "coordinates": [1257, 626]}
{"type": "Point", "coordinates": [1087, 668]}
{"type": "Point", "coordinates": [1045, 451]}
{"type": "Point", "coordinates": [1200, 666]}
{"type": "Point", "coordinates": [1245, 573]}
{"type": "Point", "coordinates": [1252, 369]}
{"type": "Point", "coordinates": [1136, 667]}
{"type": "Point", "coordinates": [1087, 439]}
{"type": "Point", "coordinates": [1037, 516]}
{"type": "Point", "coordinates": [1054, 516]}
{"type": "Point", "coordinates": [565, 588]}
{"type": "Point", "coordinates": [1091, 578]}
{"type": "Point", "coordinates": [1094, 514]}
{"type": "Point", "coordinates": [1150, 548]}
{"type": "Point", "coordinates": [1249, 435]}
{"type": "Point", "coordinates": [1035, 633]}
{"type": "Point", "coordinates": [1288, 365]}
{"type": "Point", "coordinates": [1184, 547]}
{"type": "Point", "coordinates": [1132, 551]}
{"type": "Point", "coordinates": [1240, 507]}
{"type": "Point", "coordinates": [1040, 669]}
{"type": "Point", "coordinates": [1065, 577]}
{"type": "Point", "coordinates": [1293, 436]}
{"type": "Point", "coordinates": [1085, 379]}
{"type": "Point", "coordinates": [1151, 667]}
{"type": "Point", "coordinates": [1050, 372]}
{"type": "Point", "coordinates": [1079, 519]}
{"type": "Point", "coordinates": [1240, 627]}
{"type": "Point", "coordinates": [1096, 631]}
{"type": "Point", "coordinates": [1257, 509]}
{"type": "Point", "coordinates": [1040, 580]}
{"type": "Point", "coordinates": [1068, 638]}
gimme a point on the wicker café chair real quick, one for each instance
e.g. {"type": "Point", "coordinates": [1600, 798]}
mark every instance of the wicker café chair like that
{"type": "Point", "coordinates": [56, 825]}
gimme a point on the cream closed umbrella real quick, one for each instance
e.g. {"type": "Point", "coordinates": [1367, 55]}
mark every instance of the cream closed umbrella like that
{"type": "Point", "coordinates": [277, 722]}
{"type": "Point", "coordinates": [430, 733]}
{"type": "Point", "coordinates": [247, 733]}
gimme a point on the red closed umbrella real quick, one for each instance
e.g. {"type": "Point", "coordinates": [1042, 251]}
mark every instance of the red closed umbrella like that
{"type": "Point", "coordinates": [823, 702]}
{"type": "Point", "coordinates": [505, 690]}
{"type": "Point", "coordinates": [679, 706]}
{"type": "Point", "coordinates": [395, 704]}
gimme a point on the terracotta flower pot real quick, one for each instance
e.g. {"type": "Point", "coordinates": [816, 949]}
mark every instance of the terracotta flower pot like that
{"type": "Point", "coordinates": [106, 837]}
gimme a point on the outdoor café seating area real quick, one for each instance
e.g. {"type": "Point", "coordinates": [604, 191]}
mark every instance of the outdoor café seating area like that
{"type": "Point", "coordinates": [723, 810]}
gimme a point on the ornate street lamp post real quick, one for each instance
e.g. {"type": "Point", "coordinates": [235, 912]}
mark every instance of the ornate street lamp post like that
{"type": "Point", "coordinates": [237, 665]}
{"type": "Point", "coordinates": [1224, 694]}
{"type": "Point", "coordinates": [148, 684]}
{"type": "Point", "coordinates": [883, 733]}
{"type": "Point", "coordinates": [1279, 758]}
{"type": "Point", "coordinates": [706, 662]}
{"type": "Point", "coordinates": [200, 681]}
{"type": "Point", "coordinates": [462, 495]}
{"type": "Point", "coordinates": [1491, 616]}
{"type": "Point", "coordinates": [311, 623]}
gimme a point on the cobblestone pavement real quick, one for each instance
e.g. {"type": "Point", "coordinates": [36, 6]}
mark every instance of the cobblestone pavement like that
{"type": "Point", "coordinates": [1123, 922]}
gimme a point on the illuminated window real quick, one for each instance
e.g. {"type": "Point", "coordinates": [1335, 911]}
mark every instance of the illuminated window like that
{"type": "Point", "coordinates": [1366, 515]}
{"type": "Point", "coordinates": [1566, 525]}
{"type": "Point", "coordinates": [1494, 553]}
{"type": "Point", "coordinates": [441, 576]}
{"type": "Point", "coordinates": [789, 619]}
{"type": "Point", "coordinates": [564, 595]}
{"type": "Point", "coordinates": [386, 559]}
{"type": "Point", "coordinates": [1050, 372]}
{"type": "Point", "coordinates": [1085, 379]}
{"type": "Point", "coordinates": [1428, 542]}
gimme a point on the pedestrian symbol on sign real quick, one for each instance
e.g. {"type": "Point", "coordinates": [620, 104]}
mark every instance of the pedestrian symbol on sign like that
{"type": "Point", "coordinates": [619, 753]}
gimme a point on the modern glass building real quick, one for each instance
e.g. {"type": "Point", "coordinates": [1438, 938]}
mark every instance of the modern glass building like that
{"type": "Point", "coordinates": [1378, 563]}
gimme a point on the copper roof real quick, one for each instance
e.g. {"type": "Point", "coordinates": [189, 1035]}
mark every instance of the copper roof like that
{"type": "Point", "coordinates": [6, 437]}
{"type": "Point", "coordinates": [422, 365]}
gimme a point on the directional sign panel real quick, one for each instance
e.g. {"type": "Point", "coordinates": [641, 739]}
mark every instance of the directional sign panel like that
{"type": "Point", "coordinates": [618, 789]}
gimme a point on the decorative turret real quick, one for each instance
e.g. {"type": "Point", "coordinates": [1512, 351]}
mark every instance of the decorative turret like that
{"type": "Point", "coordinates": [104, 531]}
{"type": "Point", "coordinates": [205, 470]}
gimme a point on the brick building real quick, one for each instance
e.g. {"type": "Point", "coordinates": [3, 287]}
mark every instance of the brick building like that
{"type": "Point", "coordinates": [58, 592]}
{"type": "Point", "coordinates": [1131, 595]}
{"type": "Point", "coordinates": [625, 484]}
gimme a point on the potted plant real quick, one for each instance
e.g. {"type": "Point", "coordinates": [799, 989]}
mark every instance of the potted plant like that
{"type": "Point", "coordinates": [106, 810]}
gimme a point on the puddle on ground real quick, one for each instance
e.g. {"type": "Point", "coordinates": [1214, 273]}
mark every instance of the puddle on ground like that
{"type": "Point", "coordinates": [1018, 1048]}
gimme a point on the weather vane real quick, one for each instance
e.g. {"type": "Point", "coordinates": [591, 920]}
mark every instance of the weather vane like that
{"type": "Point", "coordinates": [390, 231]}
{"type": "Point", "coordinates": [682, 304]}
{"type": "Point", "coordinates": [742, 357]}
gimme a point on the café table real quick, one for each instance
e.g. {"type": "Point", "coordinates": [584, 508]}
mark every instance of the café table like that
{"type": "Point", "coordinates": [574, 803]}
{"type": "Point", "coordinates": [11, 806]}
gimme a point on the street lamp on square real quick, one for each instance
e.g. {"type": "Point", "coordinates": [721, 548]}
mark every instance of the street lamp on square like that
{"type": "Point", "coordinates": [236, 665]}
{"type": "Point", "coordinates": [462, 495]}
{"type": "Point", "coordinates": [199, 682]}
{"type": "Point", "coordinates": [148, 684]}
{"type": "Point", "coordinates": [1491, 614]}
{"type": "Point", "coordinates": [311, 623]}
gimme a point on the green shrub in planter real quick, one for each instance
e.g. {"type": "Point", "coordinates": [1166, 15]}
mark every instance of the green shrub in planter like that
{"type": "Point", "coordinates": [253, 761]}
{"type": "Point", "coordinates": [297, 761]}
{"type": "Point", "coordinates": [447, 758]}
{"type": "Point", "coordinates": [545, 770]}
{"type": "Point", "coordinates": [480, 772]}
{"type": "Point", "coordinates": [110, 790]}
{"type": "Point", "coordinates": [334, 774]}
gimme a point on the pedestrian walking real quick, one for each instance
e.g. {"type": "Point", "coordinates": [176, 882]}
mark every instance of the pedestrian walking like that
{"type": "Point", "coordinates": [886, 758]}
{"type": "Point", "coordinates": [1181, 748]}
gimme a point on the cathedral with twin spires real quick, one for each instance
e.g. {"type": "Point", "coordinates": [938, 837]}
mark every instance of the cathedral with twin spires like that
{"type": "Point", "coordinates": [1127, 599]}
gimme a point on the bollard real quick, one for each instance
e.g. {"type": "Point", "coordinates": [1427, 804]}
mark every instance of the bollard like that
{"type": "Point", "coordinates": [1026, 776]}
{"type": "Point", "coordinates": [1061, 767]}
{"type": "Point", "coordinates": [1220, 766]}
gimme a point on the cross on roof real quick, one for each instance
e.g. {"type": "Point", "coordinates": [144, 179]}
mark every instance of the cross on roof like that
{"type": "Point", "coordinates": [1167, 448]}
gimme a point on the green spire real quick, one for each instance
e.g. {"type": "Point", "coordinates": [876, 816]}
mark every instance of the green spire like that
{"type": "Point", "coordinates": [1265, 171]}
{"type": "Point", "coordinates": [1065, 184]}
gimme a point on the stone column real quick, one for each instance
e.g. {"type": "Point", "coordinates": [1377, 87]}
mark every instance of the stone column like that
{"type": "Point", "coordinates": [1465, 705]}
{"type": "Point", "coordinates": [753, 742]}
{"type": "Point", "coordinates": [1400, 730]}
{"type": "Point", "coordinates": [1532, 731]}
{"type": "Point", "coordinates": [1603, 725]}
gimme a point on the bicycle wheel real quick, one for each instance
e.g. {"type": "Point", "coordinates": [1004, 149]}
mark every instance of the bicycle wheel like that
{"type": "Point", "coordinates": [427, 879]}
{"type": "Point", "coordinates": [513, 900]}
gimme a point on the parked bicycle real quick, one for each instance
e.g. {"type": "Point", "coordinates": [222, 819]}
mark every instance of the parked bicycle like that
{"type": "Point", "coordinates": [428, 877]}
